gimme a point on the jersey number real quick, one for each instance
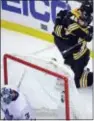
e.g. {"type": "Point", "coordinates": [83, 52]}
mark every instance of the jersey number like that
{"type": "Point", "coordinates": [27, 115]}
{"type": "Point", "coordinates": [7, 115]}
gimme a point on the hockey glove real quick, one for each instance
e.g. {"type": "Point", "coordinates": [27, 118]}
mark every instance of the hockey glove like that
{"type": "Point", "coordinates": [61, 17]}
{"type": "Point", "coordinates": [89, 37]}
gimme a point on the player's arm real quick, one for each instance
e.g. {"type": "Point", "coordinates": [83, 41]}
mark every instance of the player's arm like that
{"type": "Point", "coordinates": [76, 30]}
{"type": "Point", "coordinates": [61, 23]}
{"type": "Point", "coordinates": [61, 17]}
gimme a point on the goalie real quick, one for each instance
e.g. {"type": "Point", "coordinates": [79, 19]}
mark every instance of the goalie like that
{"type": "Point", "coordinates": [71, 33]}
{"type": "Point", "coordinates": [14, 105]}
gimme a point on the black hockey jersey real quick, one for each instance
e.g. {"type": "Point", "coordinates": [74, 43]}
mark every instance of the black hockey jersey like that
{"type": "Point", "coordinates": [67, 33]}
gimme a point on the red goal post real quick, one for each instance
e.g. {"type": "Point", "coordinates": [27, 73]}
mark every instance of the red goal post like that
{"type": "Point", "coordinates": [39, 68]}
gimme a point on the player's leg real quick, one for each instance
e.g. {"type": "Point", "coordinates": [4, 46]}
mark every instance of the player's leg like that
{"type": "Point", "coordinates": [83, 77]}
{"type": "Point", "coordinates": [86, 78]}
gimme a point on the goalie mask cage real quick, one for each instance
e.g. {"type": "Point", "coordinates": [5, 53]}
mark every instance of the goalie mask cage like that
{"type": "Point", "coordinates": [40, 69]}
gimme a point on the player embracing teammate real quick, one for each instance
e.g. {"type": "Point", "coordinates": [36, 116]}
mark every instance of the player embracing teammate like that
{"type": "Point", "coordinates": [72, 32]}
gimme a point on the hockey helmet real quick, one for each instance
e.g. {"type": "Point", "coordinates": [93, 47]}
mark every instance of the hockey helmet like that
{"type": "Point", "coordinates": [86, 12]}
{"type": "Point", "coordinates": [87, 7]}
{"type": "Point", "coordinates": [7, 95]}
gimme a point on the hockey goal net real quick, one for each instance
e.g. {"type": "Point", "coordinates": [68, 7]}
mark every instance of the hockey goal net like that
{"type": "Point", "coordinates": [43, 83]}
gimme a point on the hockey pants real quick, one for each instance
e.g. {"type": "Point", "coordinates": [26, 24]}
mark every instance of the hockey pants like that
{"type": "Point", "coordinates": [83, 78]}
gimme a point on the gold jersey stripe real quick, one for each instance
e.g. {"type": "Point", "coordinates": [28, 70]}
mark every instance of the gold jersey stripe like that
{"type": "Point", "coordinates": [83, 80]}
{"type": "Point", "coordinates": [58, 30]}
{"type": "Point", "coordinates": [76, 57]}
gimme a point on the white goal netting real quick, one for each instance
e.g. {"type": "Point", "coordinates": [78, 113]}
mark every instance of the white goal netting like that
{"type": "Point", "coordinates": [47, 85]}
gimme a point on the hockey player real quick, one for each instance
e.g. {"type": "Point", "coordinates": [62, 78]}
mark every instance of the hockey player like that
{"type": "Point", "coordinates": [14, 105]}
{"type": "Point", "coordinates": [71, 33]}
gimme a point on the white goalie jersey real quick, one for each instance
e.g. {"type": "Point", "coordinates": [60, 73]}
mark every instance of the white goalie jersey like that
{"type": "Point", "coordinates": [17, 108]}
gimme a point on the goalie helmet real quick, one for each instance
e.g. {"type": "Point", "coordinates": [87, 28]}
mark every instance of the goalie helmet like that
{"type": "Point", "coordinates": [8, 95]}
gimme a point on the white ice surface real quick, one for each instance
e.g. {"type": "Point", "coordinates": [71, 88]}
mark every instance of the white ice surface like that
{"type": "Point", "coordinates": [17, 43]}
